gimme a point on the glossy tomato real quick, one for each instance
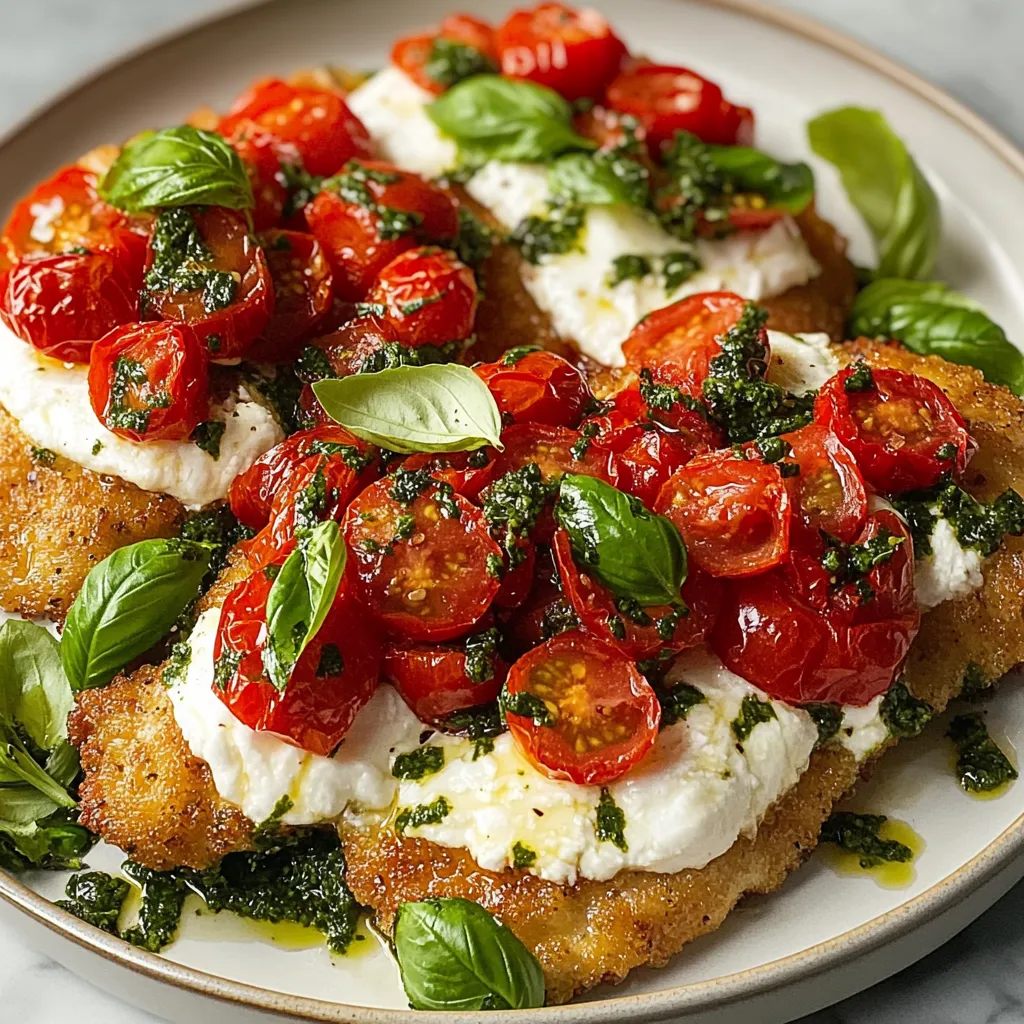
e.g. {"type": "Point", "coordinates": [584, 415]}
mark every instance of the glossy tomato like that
{"type": "Point", "coordinates": [148, 382]}
{"type": "Point", "coordinates": [261, 153]}
{"type": "Point", "coordinates": [646, 456]}
{"type": "Point", "coordinates": [800, 636]}
{"type": "Point", "coordinates": [517, 579]}
{"type": "Point", "coordinates": [733, 514]}
{"type": "Point", "coordinates": [434, 681]}
{"type": "Point", "coordinates": [204, 269]}
{"type": "Point", "coordinates": [901, 428]}
{"type": "Point", "coordinates": [414, 54]}
{"type": "Point", "coordinates": [638, 632]}
{"type": "Point", "coordinates": [536, 387]}
{"type": "Point", "coordinates": [253, 491]}
{"type": "Point", "coordinates": [62, 304]}
{"type": "Point", "coordinates": [372, 212]}
{"type": "Point", "coordinates": [429, 295]}
{"type": "Point", "coordinates": [422, 553]}
{"type": "Point", "coordinates": [678, 342]}
{"type": "Point", "coordinates": [580, 710]}
{"type": "Point", "coordinates": [468, 473]}
{"type": "Point", "coordinates": [573, 52]}
{"type": "Point", "coordinates": [333, 679]}
{"type": "Point", "coordinates": [316, 122]}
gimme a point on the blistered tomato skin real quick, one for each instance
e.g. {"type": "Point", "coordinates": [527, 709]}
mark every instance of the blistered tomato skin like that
{"type": "Point", "coordinates": [468, 473]}
{"type": "Point", "coordinates": [580, 710]}
{"type": "Point", "coordinates": [262, 155]}
{"type": "Point", "coordinates": [538, 387]}
{"type": "Point", "coordinates": [333, 679]}
{"type": "Point", "coordinates": [901, 428]}
{"type": "Point", "coordinates": [148, 382]}
{"type": "Point", "coordinates": [412, 53]}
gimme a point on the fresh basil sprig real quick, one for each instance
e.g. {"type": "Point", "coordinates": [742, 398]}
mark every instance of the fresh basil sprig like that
{"type": "Point", "coordinates": [885, 184]}
{"type": "Point", "coordinates": [440, 407]}
{"type": "Point", "coordinates": [787, 187]}
{"type": "Point", "coordinates": [181, 166]}
{"type": "Point", "coordinates": [453, 955]}
{"type": "Point", "coordinates": [301, 597]}
{"type": "Point", "coordinates": [127, 603]}
{"type": "Point", "coordinates": [634, 552]}
{"type": "Point", "coordinates": [599, 179]}
{"type": "Point", "coordinates": [495, 118]}
{"type": "Point", "coordinates": [932, 319]}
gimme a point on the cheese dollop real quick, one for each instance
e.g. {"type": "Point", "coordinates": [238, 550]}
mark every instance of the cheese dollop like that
{"type": "Point", "coordinates": [950, 572]}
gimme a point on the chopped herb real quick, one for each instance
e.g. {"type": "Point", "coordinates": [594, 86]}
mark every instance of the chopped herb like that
{"type": "Point", "coordinates": [852, 563]}
{"type": "Point", "coordinates": [130, 373]}
{"type": "Point", "coordinates": [217, 527]}
{"type": "Point", "coordinates": [980, 764]}
{"type": "Point", "coordinates": [773, 449]}
{"type": "Point", "coordinates": [828, 718]}
{"type": "Point", "coordinates": [526, 705]}
{"type": "Point", "coordinates": [904, 715]}
{"type": "Point", "coordinates": [313, 365]}
{"type": "Point", "coordinates": [481, 649]}
{"type": "Point", "coordinates": [610, 825]}
{"type": "Point", "coordinates": [97, 447]}
{"type": "Point", "coordinates": [976, 685]}
{"type": "Point", "coordinates": [352, 184]}
{"type": "Point", "coordinates": [479, 724]}
{"type": "Point", "coordinates": [696, 193]}
{"type": "Point", "coordinates": [419, 763]}
{"type": "Point", "coordinates": [163, 894]}
{"type": "Point", "coordinates": [422, 814]}
{"type": "Point", "coordinates": [331, 663]}
{"type": "Point", "coordinates": [553, 235]}
{"type": "Point", "coordinates": [677, 268]}
{"type": "Point", "coordinates": [475, 239]}
{"type": "Point", "coordinates": [523, 856]}
{"type": "Point", "coordinates": [669, 622]}
{"type": "Point", "coordinates": [513, 504]}
{"type": "Point", "coordinates": [279, 390]}
{"type": "Point", "coordinates": [495, 566]}
{"type": "Point", "coordinates": [677, 702]}
{"type": "Point", "coordinates": [752, 713]}
{"type": "Point", "coordinates": [422, 301]}
{"type": "Point", "coordinates": [267, 833]}
{"type": "Point", "coordinates": [628, 267]}
{"type": "Point", "coordinates": [225, 667]}
{"type": "Point", "coordinates": [858, 833]}
{"type": "Point", "coordinates": [355, 459]}
{"type": "Point", "coordinates": [559, 617]}
{"type": "Point", "coordinates": [177, 664]}
{"type": "Point", "coordinates": [96, 898]}
{"type": "Point", "coordinates": [946, 452]}
{"type": "Point", "coordinates": [616, 627]}
{"type": "Point", "coordinates": [301, 187]}
{"type": "Point", "coordinates": [44, 456]}
{"type": "Point", "coordinates": [208, 435]}
{"type": "Point", "coordinates": [449, 62]}
{"type": "Point", "coordinates": [861, 379]}
{"type": "Point", "coordinates": [515, 355]}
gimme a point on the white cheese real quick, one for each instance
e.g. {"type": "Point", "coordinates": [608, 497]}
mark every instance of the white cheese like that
{"type": "Point", "coordinates": [255, 769]}
{"type": "Point", "coordinates": [950, 572]}
{"type": "Point", "coordinates": [50, 401]}
{"type": "Point", "coordinates": [393, 108]}
{"type": "Point", "coordinates": [862, 730]}
{"type": "Point", "coordinates": [801, 362]}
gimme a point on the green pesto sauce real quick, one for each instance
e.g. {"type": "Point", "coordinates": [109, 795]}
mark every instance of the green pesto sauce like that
{"type": "Point", "coordinates": [481, 649]}
{"type": "Point", "coordinates": [96, 898]}
{"type": "Point", "coordinates": [422, 814]}
{"type": "Point", "coordinates": [526, 705]}
{"type": "Point", "coordinates": [523, 856]}
{"type": "Point", "coordinates": [553, 235]}
{"type": "Point", "coordinates": [752, 713]}
{"type": "Point", "coordinates": [858, 834]}
{"type": "Point", "coordinates": [828, 718]}
{"type": "Point", "coordinates": [208, 435]}
{"type": "Point", "coordinates": [610, 826]}
{"type": "Point", "coordinates": [559, 617]}
{"type": "Point", "coordinates": [513, 504]}
{"type": "Point", "coordinates": [904, 715]}
{"type": "Point", "coordinates": [44, 456]}
{"type": "Point", "coordinates": [479, 724]}
{"type": "Point", "coordinates": [677, 702]}
{"type": "Point", "coordinates": [981, 765]}
{"type": "Point", "coordinates": [449, 62]}
{"type": "Point", "coordinates": [419, 763]}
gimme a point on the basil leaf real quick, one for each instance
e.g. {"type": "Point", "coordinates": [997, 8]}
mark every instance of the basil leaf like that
{"type": "Point", "coordinates": [34, 690]}
{"type": "Point", "coordinates": [634, 552]}
{"type": "Point", "coordinates": [127, 603]}
{"type": "Point", "coordinates": [182, 166]}
{"type": "Point", "coordinates": [931, 319]}
{"type": "Point", "coordinates": [18, 766]}
{"type": "Point", "coordinates": [436, 408]}
{"type": "Point", "coordinates": [599, 179]}
{"type": "Point", "coordinates": [495, 118]}
{"type": "Point", "coordinates": [785, 186]}
{"type": "Point", "coordinates": [885, 185]}
{"type": "Point", "coordinates": [301, 597]}
{"type": "Point", "coordinates": [453, 955]}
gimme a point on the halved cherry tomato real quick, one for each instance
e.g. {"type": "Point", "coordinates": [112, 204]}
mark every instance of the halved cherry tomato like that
{"type": "Point", "coordinates": [536, 387]}
{"type": "Point", "coordinates": [798, 638]}
{"type": "Point", "coordinates": [261, 154]}
{"type": "Point", "coordinates": [901, 428]}
{"type": "Point", "coordinates": [605, 127]}
{"type": "Point", "coordinates": [413, 53]}
{"type": "Point", "coordinates": [573, 52]}
{"type": "Point", "coordinates": [303, 294]}
{"type": "Point", "coordinates": [429, 295]}
{"type": "Point", "coordinates": [829, 490]}
{"type": "Point", "coordinates": [679, 341]}
{"type": "Point", "coordinates": [467, 472]}
{"type": "Point", "coordinates": [253, 491]}
{"type": "Point", "coordinates": [59, 214]}
{"type": "Point", "coordinates": [62, 304]}
{"type": "Point", "coordinates": [317, 122]}
{"type": "Point", "coordinates": [667, 99]}
{"type": "Point", "coordinates": [422, 556]}
{"type": "Point", "coordinates": [372, 213]}
{"type": "Point", "coordinates": [602, 715]}
{"type": "Point", "coordinates": [518, 576]}
{"type": "Point", "coordinates": [646, 455]}
{"type": "Point", "coordinates": [639, 632]}
{"type": "Point", "coordinates": [226, 297]}
{"type": "Point", "coordinates": [333, 679]}
{"type": "Point", "coordinates": [433, 681]}
{"type": "Point", "coordinates": [148, 382]}
{"type": "Point", "coordinates": [530, 623]}
{"type": "Point", "coordinates": [733, 514]}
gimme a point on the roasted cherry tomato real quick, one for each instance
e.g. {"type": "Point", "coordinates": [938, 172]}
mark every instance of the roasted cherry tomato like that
{"type": "Point", "coordinates": [262, 153]}
{"type": "Point", "coordinates": [333, 679]}
{"type": "Point", "coordinates": [608, 128]}
{"type": "Point", "coordinates": [371, 213]}
{"type": "Point", "coordinates": [253, 491]}
{"type": "Point", "coordinates": [414, 54]}
{"type": "Point", "coordinates": [60, 214]}
{"type": "Point", "coordinates": [733, 514]}
{"type": "Point", "coordinates": [573, 52]}
{"type": "Point", "coordinates": [316, 122]}
{"type": "Point", "coordinates": [517, 580]}
{"type": "Point", "coordinates": [422, 553]}
{"type": "Point", "coordinates": [467, 472]}
{"type": "Point", "coordinates": [205, 270]}
{"type": "Point", "coordinates": [303, 293]}
{"type": "Point", "coordinates": [148, 382]}
{"type": "Point", "coordinates": [635, 631]}
{"type": "Point", "coordinates": [829, 490]}
{"type": "Point", "coordinates": [802, 637]}
{"type": "Point", "coordinates": [678, 342]}
{"type": "Point", "coordinates": [62, 304]}
{"type": "Point", "coordinates": [901, 428]}
{"type": "Point", "coordinates": [536, 387]}
{"type": "Point", "coordinates": [666, 99]}
{"type": "Point", "coordinates": [434, 680]}
{"type": "Point", "coordinates": [580, 710]}
{"type": "Point", "coordinates": [429, 295]}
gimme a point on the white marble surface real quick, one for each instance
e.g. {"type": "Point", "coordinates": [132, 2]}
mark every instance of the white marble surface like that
{"type": "Point", "coordinates": [970, 47]}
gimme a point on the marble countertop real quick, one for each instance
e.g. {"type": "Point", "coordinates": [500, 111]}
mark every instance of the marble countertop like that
{"type": "Point", "coordinates": [969, 47]}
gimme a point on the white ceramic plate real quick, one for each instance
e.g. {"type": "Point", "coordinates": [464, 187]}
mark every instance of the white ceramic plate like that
{"type": "Point", "coordinates": [823, 936]}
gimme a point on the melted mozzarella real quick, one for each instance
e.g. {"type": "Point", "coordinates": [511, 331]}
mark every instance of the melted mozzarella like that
{"type": "Point", "coordinates": [863, 731]}
{"type": "Point", "coordinates": [50, 401]}
{"type": "Point", "coordinates": [801, 362]}
{"type": "Point", "coordinates": [950, 572]}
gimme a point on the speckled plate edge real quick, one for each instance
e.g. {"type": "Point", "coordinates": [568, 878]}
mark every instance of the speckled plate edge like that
{"type": "Point", "coordinates": [989, 868]}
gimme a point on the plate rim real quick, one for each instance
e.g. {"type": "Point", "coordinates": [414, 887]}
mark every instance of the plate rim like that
{"type": "Point", "coordinates": [716, 993]}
